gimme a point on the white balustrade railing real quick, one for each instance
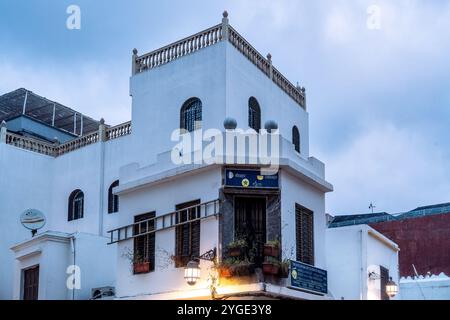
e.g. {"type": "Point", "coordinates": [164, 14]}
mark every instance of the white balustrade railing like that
{"type": "Point", "coordinates": [56, 149]}
{"type": "Point", "coordinates": [118, 131]}
{"type": "Point", "coordinates": [179, 49]}
{"type": "Point", "coordinates": [30, 144]}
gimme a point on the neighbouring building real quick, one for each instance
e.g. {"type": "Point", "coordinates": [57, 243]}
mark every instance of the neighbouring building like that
{"type": "Point", "coordinates": [423, 236]}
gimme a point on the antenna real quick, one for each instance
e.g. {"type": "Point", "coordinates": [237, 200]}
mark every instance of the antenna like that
{"type": "Point", "coordinates": [372, 206]}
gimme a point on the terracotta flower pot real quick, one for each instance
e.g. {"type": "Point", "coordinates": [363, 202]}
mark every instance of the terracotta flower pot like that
{"type": "Point", "coordinates": [225, 272]}
{"type": "Point", "coordinates": [271, 251]}
{"type": "Point", "coordinates": [141, 267]}
{"type": "Point", "coordinates": [234, 252]}
{"type": "Point", "coordinates": [269, 268]}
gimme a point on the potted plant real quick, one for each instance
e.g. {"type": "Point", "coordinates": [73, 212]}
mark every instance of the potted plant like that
{"type": "Point", "coordinates": [140, 264]}
{"type": "Point", "coordinates": [242, 268]}
{"type": "Point", "coordinates": [236, 247]}
{"type": "Point", "coordinates": [284, 268]}
{"type": "Point", "coordinates": [225, 268]}
{"type": "Point", "coordinates": [271, 266]}
{"type": "Point", "coordinates": [272, 249]}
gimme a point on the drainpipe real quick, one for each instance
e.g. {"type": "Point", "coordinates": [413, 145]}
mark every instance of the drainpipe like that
{"type": "Point", "coordinates": [362, 275]}
{"type": "Point", "coordinates": [102, 139]}
{"type": "Point", "coordinates": [73, 250]}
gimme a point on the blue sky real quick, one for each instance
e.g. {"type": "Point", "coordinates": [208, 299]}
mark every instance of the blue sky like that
{"type": "Point", "coordinates": [379, 100]}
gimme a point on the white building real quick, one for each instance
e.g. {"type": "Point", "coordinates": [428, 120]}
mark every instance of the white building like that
{"type": "Point", "coordinates": [170, 213]}
{"type": "Point", "coordinates": [360, 263]}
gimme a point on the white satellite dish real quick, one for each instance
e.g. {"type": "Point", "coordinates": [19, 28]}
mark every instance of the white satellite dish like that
{"type": "Point", "coordinates": [33, 220]}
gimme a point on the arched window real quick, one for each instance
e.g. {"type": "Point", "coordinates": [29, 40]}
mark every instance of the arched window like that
{"type": "Point", "coordinates": [76, 205]}
{"type": "Point", "coordinates": [113, 200]}
{"type": "Point", "coordinates": [254, 114]}
{"type": "Point", "coordinates": [191, 115]}
{"type": "Point", "coordinates": [296, 138]}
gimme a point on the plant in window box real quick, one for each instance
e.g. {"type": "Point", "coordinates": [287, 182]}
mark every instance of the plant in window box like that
{"type": "Point", "coordinates": [284, 268]}
{"type": "Point", "coordinates": [139, 263]}
{"type": "Point", "coordinates": [236, 248]}
{"type": "Point", "coordinates": [225, 268]}
{"type": "Point", "coordinates": [242, 268]}
{"type": "Point", "coordinates": [271, 266]}
{"type": "Point", "coordinates": [272, 249]}
{"type": "Point", "coordinates": [141, 266]}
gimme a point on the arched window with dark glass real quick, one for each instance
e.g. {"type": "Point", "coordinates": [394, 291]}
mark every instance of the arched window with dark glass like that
{"type": "Point", "coordinates": [76, 205]}
{"type": "Point", "coordinates": [113, 200]}
{"type": "Point", "coordinates": [296, 138]}
{"type": "Point", "coordinates": [254, 114]}
{"type": "Point", "coordinates": [191, 115]}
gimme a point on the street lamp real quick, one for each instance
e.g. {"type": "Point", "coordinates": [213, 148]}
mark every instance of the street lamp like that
{"type": "Point", "coordinates": [192, 269]}
{"type": "Point", "coordinates": [391, 288]}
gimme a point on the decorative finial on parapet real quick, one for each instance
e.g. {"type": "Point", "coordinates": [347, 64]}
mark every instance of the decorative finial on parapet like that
{"type": "Point", "coordinates": [3, 132]}
{"type": "Point", "coordinates": [225, 25]}
{"type": "Point", "coordinates": [56, 140]}
{"type": "Point", "coordinates": [102, 121]}
{"type": "Point", "coordinates": [230, 124]}
{"type": "Point", "coordinates": [269, 57]}
{"type": "Point", "coordinates": [134, 67]}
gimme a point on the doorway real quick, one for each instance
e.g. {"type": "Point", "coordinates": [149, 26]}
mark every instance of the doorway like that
{"type": "Point", "coordinates": [31, 283]}
{"type": "Point", "coordinates": [250, 224]}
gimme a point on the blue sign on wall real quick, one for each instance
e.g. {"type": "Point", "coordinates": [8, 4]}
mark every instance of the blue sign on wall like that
{"type": "Point", "coordinates": [306, 277]}
{"type": "Point", "coordinates": [250, 179]}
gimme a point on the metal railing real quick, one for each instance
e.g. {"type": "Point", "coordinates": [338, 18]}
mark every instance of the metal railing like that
{"type": "Point", "coordinates": [164, 222]}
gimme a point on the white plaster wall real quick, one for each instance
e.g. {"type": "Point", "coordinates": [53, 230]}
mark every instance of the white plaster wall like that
{"type": "Point", "coordinates": [163, 198]}
{"type": "Point", "coordinates": [294, 190]}
{"type": "Point", "coordinates": [97, 262]}
{"type": "Point", "coordinates": [425, 288]}
{"type": "Point", "coordinates": [344, 261]}
{"type": "Point", "coordinates": [24, 184]}
{"type": "Point", "coordinates": [243, 80]}
{"type": "Point", "coordinates": [159, 94]}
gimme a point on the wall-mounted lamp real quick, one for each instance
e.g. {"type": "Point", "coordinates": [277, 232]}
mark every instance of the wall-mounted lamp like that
{"type": "Point", "coordinates": [391, 288]}
{"type": "Point", "coordinates": [192, 269]}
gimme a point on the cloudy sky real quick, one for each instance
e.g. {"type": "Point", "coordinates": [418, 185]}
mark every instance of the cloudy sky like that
{"type": "Point", "coordinates": [378, 98]}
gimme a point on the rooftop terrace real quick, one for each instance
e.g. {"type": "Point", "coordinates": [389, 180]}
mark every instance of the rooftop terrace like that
{"type": "Point", "coordinates": [209, 37]}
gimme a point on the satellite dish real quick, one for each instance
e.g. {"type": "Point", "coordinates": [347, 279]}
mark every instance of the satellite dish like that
{"type": "Point", "coordinates": [33, 220]}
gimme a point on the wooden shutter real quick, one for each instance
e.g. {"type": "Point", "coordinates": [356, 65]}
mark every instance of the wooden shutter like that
{"type": "Point", "coordinates": [304, 225]}
{"type": "Point", "coordinates": [144, 246]}
{"type": "Point", "coordinates": [187, 236]}
{"type": "Point", "coordinates": [384, 278]}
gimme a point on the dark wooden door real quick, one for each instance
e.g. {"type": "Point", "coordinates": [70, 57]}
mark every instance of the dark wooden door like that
{"type": "Point", "coordinates": [250, 223]}
{"type": "Point", "coordinates": [31, 283]}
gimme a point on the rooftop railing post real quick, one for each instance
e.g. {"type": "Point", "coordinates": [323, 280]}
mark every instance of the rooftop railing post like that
{"type": "Point", "coordinates": [3, 132]}
{"type": "Point", "coordinates": [134, 62]}
{"type": "Point", "coordinates": [102, 130]}
{"type": "Point", "coordinates": [225, 24]}
{"type": "Point", "coordinates": [269, 60]}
